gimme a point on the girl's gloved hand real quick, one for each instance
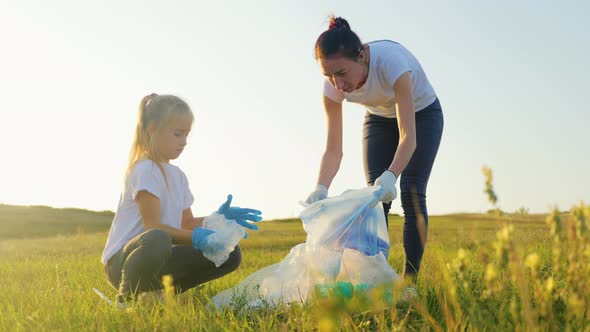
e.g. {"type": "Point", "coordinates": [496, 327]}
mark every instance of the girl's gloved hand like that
{"type": "Point", "coordinates": [199, 239]}
{"type": "Point", "coordinates": [242, 216]}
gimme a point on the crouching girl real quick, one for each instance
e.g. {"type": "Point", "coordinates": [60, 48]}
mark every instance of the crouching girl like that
{"type": "Point", "coordinates": [154, 232]}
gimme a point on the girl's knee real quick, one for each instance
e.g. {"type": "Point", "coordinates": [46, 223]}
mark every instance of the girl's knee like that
{"type": "Point", "coordinates": [234, 260]}
{"type": "Point", "coordinates": [158, 242]}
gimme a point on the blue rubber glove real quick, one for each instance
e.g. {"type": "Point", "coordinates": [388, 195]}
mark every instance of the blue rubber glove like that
{"type": "Point", "coordinates": [240, 215]}
{"type": "Point", "coordinates": [199, 238]}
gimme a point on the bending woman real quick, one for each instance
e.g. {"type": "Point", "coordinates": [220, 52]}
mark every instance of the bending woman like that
{"type": "Point", "coordinates": [402, 128]}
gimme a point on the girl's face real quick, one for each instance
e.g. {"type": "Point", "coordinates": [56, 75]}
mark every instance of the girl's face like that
{"type": "Point", "coordinates": [344, 74]}
{"type": "Point", "coordinates": [171, 139]}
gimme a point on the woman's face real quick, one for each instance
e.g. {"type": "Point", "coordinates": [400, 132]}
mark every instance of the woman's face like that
{"type": "Point", "coordinates": [344, 74]}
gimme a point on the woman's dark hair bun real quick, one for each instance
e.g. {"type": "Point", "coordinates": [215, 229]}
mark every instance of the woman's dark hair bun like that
{"type": "Point", "coordinates": [338, 40]}
{"type": "Point", "coordinates": [338, 23]}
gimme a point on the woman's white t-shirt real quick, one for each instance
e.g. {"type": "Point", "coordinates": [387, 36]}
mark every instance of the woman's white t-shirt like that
{"type": "Point", "coordinates": [174, 198]}
{"type": "Point", "coordinates": [388, 61]}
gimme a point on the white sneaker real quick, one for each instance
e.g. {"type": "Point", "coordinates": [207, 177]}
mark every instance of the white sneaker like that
{"type": "Point", "coordinates": [153, 297]}
{"type": "Point", "coordinates": [123, 306]}
{"type": "Point", "coordinates": [410, 294]}
{"type": "Point", "coordinates": [120, 305]}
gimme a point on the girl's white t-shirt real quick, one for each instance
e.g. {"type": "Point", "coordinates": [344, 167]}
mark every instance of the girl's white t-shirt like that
{"type": "Point", "coordinates": [174, 197]}
{"type": "Point", "coordinates": [388, 61]}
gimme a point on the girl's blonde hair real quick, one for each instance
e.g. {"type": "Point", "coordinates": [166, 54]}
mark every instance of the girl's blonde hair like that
{"type": "Point", "coordinates": [159, 110]}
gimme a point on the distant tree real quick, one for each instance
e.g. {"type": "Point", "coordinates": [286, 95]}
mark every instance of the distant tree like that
{"type": "Point", "coordinates": [522, 210]}
{"type": "Point", "coordinates": [489, 190]}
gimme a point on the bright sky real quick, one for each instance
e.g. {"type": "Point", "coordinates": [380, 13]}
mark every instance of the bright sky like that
{"type": "Point", "coordinates": [512, 77]}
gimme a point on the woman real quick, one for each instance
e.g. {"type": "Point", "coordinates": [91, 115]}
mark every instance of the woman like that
{"type": "Point", "coordinates": [402, 130]}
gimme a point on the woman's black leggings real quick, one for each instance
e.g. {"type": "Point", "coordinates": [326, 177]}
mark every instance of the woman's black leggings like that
{"type": "Point", "coordinates": [380, 141]}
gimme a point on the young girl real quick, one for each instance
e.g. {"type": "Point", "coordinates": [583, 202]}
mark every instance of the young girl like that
{"type": "Point", "coordinates": [402, 130]}
{"type": "Point", "coordinates": [154, 232]}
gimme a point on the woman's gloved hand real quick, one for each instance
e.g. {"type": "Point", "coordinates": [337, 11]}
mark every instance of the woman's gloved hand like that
{"type": "Point", "coordinates": [387, 181]}
{"type": "Point", "coordinates": [320, 192]}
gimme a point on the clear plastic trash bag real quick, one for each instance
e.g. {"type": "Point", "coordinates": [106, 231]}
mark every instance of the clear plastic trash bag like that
{"type": "Point", "coordinates": [347, 241]}
{"type": "Point", "coordinates": [294, 278]}
{"type": "Point", "coordinates": [348, 221]}
{"type": "Point", "coordinates": [225, 239]}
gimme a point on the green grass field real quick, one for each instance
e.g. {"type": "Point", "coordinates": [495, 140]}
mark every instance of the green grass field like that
{"type": "Point", "coordinates": [476, 275]}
